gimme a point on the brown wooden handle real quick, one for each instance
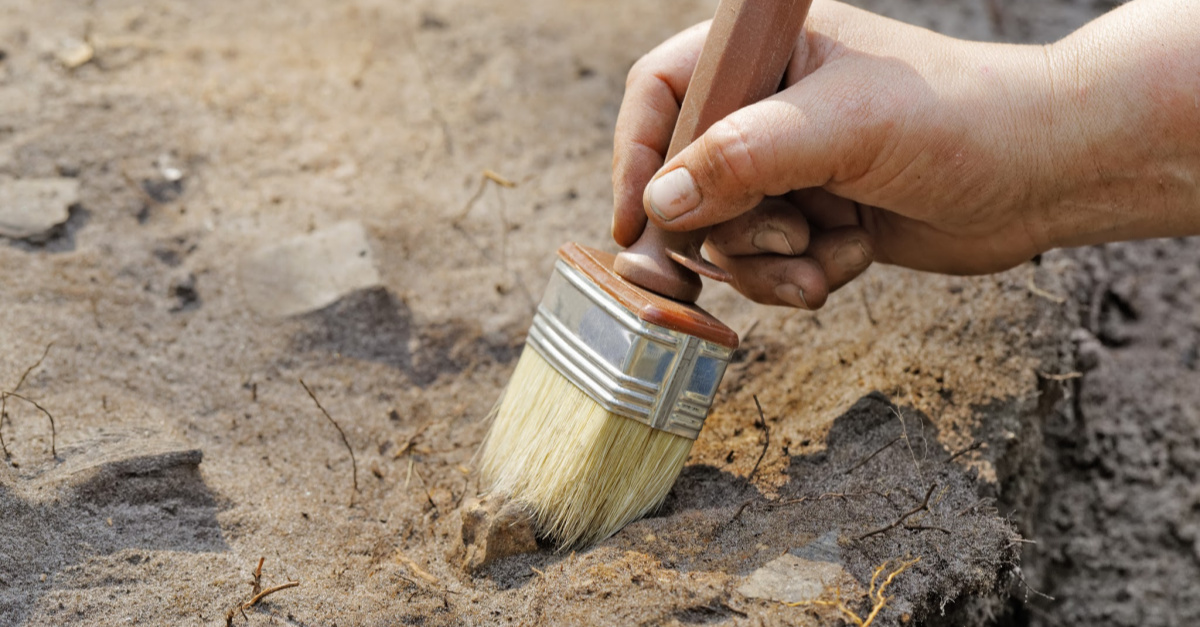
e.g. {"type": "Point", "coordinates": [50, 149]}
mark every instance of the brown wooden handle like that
{"type": "Point", "coordinates": [745, 55]}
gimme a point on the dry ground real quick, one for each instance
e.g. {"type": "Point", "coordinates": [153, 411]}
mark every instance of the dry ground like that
{"type": "Point", "coordinates": [204, 134]}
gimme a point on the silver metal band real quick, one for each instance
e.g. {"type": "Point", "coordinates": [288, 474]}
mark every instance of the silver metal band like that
{"type": "Point", "coordinates": [659, 377]}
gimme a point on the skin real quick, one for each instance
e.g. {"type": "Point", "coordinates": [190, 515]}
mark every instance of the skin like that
{"type": "Point", "coordinates": [894, 144]}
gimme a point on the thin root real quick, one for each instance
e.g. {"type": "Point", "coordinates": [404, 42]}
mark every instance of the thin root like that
{"type": "Point", "coordinates": [762, 420]}
{"type": "Point", "coordinates": [353, 461]}
{"type": "Point", "coordinates": [876, 596]}
{"type": "Point", "coordinates": [53, 427]}
{"type": "Point", "coordinates": [17, 388]}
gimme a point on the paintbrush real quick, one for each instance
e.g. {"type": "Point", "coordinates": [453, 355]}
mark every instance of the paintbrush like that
{"type": "Point", "coordinates": [620, 366]}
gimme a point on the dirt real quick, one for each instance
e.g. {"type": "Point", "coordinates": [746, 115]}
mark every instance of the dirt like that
{"type": "Point", "coordinates": [1119, 519]}
{"type": "Point", "coordinates": [202, 136]}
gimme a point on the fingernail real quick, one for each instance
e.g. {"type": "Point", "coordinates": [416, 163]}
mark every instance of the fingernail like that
{"type": "Point", "coordinates": [673, 194]}
{"type": "Point", "coordinates": [791, 295]}
{"type": "Point", "coordinates": [852, 256]}
{"type": "Point", "coordinates": [773, 241]}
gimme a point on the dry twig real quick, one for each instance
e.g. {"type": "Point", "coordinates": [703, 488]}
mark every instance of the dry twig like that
{"type": "Point", "coordinates": [875, 595]}
{"type": "Point", "coordinates": [53, 427]}
{"type": "Point", "coordinates": [411, 440]}
{"type": "Point", "coordinates": [976, 446]}
{"type": "Point", "coordinates": [1050, 296]}
{"type": "Point", "coordinates": [353, 461]}
{"type": "Point", "coordinates": [484, 177]}
{"type": "Point", "coordinates": [1066, 376]}
{"type": "Point", "coordinates": [17, 388]}
{"type": "Point", "coordinates": [924, 506]}
{"type": "Point", "coordinates": [872, 455]}
{"type": "Point", "coordinates": [256, 585]}
{"type": "Point", "coordinates": [741, 508]}
{"type": "Point", "coordinates": [862, 291]}
{"type": "Point", "coordinates": [415, 568]}
{"type": "Point", "coordinates": [762, 421]}
{"type": "Point", "coordinates": [257, 595]}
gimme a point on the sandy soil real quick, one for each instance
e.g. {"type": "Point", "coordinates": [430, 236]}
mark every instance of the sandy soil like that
{"type": "Point", "coordinates": [204, 134]}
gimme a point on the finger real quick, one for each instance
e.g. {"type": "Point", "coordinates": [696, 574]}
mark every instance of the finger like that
{"type": "Point", "coordinates": [843, 254]}
{"type": "Point", "coordinates": [653, 91]}
{"type": "Point", "coordinates": [825, 129]}
{"type": "Point", "coordinates": [824, 210]}
{"type": "Point", "coordinates": [776, 279]}
{"type": "Point", "coordinates": [775, 227]}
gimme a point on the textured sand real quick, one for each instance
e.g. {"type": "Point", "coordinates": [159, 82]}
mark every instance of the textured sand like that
{"type": "Point", "coordinates": [187, 449]}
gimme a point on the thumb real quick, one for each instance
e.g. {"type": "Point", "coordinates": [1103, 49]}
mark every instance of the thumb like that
{"type": "Point", "coordinates": [787, 142]}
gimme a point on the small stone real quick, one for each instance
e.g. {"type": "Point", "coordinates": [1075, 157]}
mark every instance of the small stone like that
{"type": "Point", "coordinates": [1089, 350]}
{"type": "Point", "coordinates": [31, 208]}
{"type": "Point", "coordinates": [308, 272]}
{"type": "Point", "coordinates": [791, 579]}
{"type": "Point", "coordinates": [74, 53]}
{"type": "Point", "coordinates": [493, 529]}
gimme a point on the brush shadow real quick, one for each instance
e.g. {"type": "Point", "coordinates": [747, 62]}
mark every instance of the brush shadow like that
{"type": "Point", "coordinates": [373, 325]}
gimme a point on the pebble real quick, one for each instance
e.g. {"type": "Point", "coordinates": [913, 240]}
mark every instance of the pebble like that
{"type": "Point", "coordinates": [31, 208]}
{"type": "Point", "coordinates": [494, 529]}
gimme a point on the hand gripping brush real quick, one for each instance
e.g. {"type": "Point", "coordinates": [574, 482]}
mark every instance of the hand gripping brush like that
{"type": "Point", "coordinates": [620, 366]}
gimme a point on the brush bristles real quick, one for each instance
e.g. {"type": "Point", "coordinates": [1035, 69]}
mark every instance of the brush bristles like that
{"type": "Point", "coordinates": [583, 471]}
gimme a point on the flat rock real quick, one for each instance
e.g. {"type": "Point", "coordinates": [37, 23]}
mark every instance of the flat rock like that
{"type": "Point", "coordinates": [31, 208]}
{"type": "Point", "coordinates": [791, 579]}
{"type": "Point", "coordinates": [308, 272]}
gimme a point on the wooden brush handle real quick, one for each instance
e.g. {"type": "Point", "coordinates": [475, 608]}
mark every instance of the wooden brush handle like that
{"type": "Point", "coordinates": [743, 61]}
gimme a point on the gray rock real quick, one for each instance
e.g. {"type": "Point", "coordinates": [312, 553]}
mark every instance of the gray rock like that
{"type": "Point", "coordinates": [31, 208]}
{"type": "Point", "coordinates": [308, 272]}
{"type": "Point", "coordinates": [791, 579]}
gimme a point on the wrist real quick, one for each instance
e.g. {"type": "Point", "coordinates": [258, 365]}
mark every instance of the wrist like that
{"type": "Point", "coordinates": [1122, 132]}
{"type": "Point", "coordinates": [1010, 110]}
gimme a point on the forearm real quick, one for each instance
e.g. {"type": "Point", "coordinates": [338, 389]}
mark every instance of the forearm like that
{"type": "Point", "coordinates": [1124, 138]}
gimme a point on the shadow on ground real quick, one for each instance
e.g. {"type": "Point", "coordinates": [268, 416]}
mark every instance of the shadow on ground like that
{"type": "Point", "coordinates": [374, 325]}
{"type": "Point", "coordinates": [113, 493]}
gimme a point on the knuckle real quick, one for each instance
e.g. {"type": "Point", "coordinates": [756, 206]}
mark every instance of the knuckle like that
{"type": "Point", "coordinates": [730, 154]}
{"type": "Point", "coordinates": [722, 238]}
{"type": "Point", "coordinates": [639, 70]}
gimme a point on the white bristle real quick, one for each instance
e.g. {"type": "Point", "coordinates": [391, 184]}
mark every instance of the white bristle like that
{"type": "Point", "coordinates": [583, 471]}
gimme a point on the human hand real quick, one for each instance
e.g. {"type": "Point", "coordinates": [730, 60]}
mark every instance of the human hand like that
{"type": "Point", "coordinates": [888, 142]}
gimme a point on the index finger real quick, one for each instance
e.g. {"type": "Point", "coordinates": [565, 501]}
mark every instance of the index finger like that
{"type": "Point", "coordinates": [653, 92]}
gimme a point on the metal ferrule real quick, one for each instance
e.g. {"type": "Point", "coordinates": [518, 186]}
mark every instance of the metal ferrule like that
{"type": "Point", "coordinates": [661, 378]}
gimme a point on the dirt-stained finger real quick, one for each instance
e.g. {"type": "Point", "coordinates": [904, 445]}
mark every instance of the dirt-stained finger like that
{"type": "Point", "coordinates": [777, 279]}
{"type": "Point", "coordinates": [653, 91]}
{"type": "Point", "coordinates": [774, 226]}
{"type": "Point", "coordinates": [843, 253]}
